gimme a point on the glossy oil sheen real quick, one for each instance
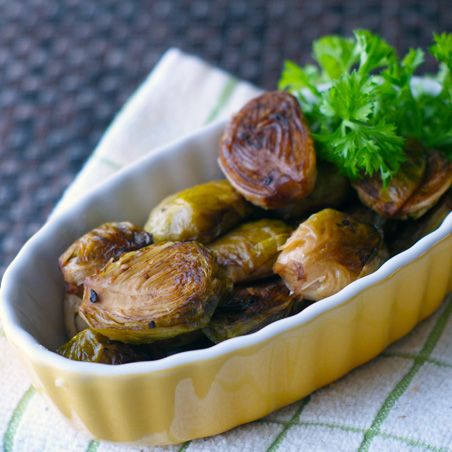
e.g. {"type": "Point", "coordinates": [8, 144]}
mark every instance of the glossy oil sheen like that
{"type": "Point", "coordinates": [206, 392]}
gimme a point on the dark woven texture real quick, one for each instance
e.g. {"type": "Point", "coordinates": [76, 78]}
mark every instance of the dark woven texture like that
{"type": "Point", "coordinates": [66, 67]}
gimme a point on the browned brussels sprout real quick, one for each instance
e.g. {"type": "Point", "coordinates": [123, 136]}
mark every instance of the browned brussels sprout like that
{"type": "Point", "coordinates": [438, 179]}
{"type": "Point", "coordinates": [267, 152]}
{"type": "Point", "coordinates": [331, 190]}
{"type": "Point", "coordinates": [387, 201]}
{"type": "Point", "coordinates": [414, 230]}
{"type": "Point", "coordinates": [94, 249]}
{"type": "Point", "coordinates": [157, 292]}
{"type": "Point", "coordinates": [91, 347]}
{"type": "Point", "coordinates": [249, 309]}
{"type": "Point", "coordinates": [201, 213]}
{"type": "Point", "coordinates": [328, 251]}
{"type": "Point", "coordinates": [249, 251]}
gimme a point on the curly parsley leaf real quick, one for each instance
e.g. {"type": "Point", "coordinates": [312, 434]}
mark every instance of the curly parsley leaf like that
{"type": "Point", "coordinates": [412, 60]}
{"type": "Point", "coordinates": [296, 78]}
{"type": "Point", "coordinates": [398, 103]}
{"type": "Point", "coordinates": [350, 98]}
{"type": "Point", "coordinates": [335, 56]}
{"type": "Point", "coordinates": [355, 137]}
{"type": "Point", "coordinates": [363, 149]}
{"type": "Point", "coordinates": [435, 110]}
{"type": "Point", "coordinates": [442, 49]}
{"type": "Point", "coordinates": [373, 51]}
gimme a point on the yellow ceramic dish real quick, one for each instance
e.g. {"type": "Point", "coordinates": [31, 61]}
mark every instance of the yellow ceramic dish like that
{"type": "Point", "coordinates": [205, 392]}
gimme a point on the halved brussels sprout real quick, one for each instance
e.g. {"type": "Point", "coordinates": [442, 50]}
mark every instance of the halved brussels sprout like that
{"type": "Point", "coordinates": [91, 347]}
{"type": "Point", "coordinates": [94, 249]}
{"type": "Point", "coordinates": [327, 252]}
{"type": "Point", "coordinates": [387, 201]}
{"type": "Point", "coordinates": [249, 251]}
{"type": "Point", "coordinates": [249, 309]}
{"type": "Point", "coordinates": [438, 179]}
{"type": "Point", "coordinates": [331, 190]}
{"type": "Point", "coordinates": [201, 213]}
{"type": "Point", "coordinates": [267, 153]}
{"type": "Point", "coordinates": [157, 292]}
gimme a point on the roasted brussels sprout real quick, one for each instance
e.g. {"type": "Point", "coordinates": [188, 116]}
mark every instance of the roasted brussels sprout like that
{"type": "Point", "coordinates": [249, 309]}
{"type": "Point", "coordinates": [249, 251]}
{"type": "Point", "coordinates": [157, 292]}
{"type": "Point", "coordinates": [363, 214]}
{"type": "Point", "coordinates": [328, 251]}
{"type": "Point", "coordinates": [267, 153]}
{"type": "Point", "coordinates": [414, 230]}
{"type": "Point", "coordinates": [387, 201]}
{"type": "Point", "coordinates": [94, 249]}
{"type": "Point", "coordinates": [438, 179]}
{"type": "Point", "coordinates": [331, 190]}
{"type": "Point", "coordinates": [201, 213]}
{"type": "Point", "coordinates": [92, 347]}
{"type": "Point", "coordinates": [72, 320]}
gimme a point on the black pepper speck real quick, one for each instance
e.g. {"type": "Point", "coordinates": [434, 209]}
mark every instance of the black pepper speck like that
{"type": "Point", "coordinates": [93, 297]}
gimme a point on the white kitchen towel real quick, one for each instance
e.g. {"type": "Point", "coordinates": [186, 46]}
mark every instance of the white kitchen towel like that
{"type": "Point", "coordinates": [401, 401]}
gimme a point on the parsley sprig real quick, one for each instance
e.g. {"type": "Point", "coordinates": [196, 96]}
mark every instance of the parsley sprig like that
{"type": "Point", "coordinates": [370, 105]}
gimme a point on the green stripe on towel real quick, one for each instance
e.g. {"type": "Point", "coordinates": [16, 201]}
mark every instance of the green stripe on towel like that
{"type": "Point", "coordinates": [92, 446]}
{"type": "Point", "coordinates": [224, 97]}
{"type": "Point", "coordinates": [184, 446]}
{"type": "Point", "coordinates": [351, 429]}
{"type": "Point", "coordinates": [108, 161]}
{"type": "Point", "coordinates": [405, 355]}
{"type": "Point", "coordinates": [412, 442]}
{"type": "Point", "coordinates": [293, 421]}
{"type": "Point", "coordinates": [13, 424]}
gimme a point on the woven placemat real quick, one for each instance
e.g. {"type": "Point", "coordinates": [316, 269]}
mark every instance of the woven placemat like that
{"type": "Point", "coordinates": [67, 67]}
